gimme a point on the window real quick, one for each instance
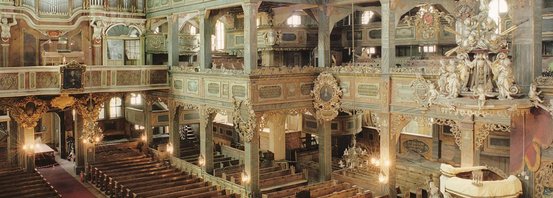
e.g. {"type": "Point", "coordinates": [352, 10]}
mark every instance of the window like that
{"type": "Point", "coordinates": [138, 127]}
{"type": "Point", "coordinates": [370, 50]}
{"type": "Point", "coordinates": [136, 99]}
{"type": "Point", "coordinates": [366, 17]}
{"type": "Point", "coordinates": [497, 7]}
{"type": "Point", "coordinates": [428, 49]}
{"type": "Point", "coordinates": [193, 30]}
{"type": "Point", "coordinates": [218, 42]}
{"type": "Point", "coordinates": [132, 49]}
{"type": "Point", "coordinates": [294, 20]}
{"type": "Point", "coordinates": [102, 114]}
{"type": "Point", "coordinates": [115, 108]}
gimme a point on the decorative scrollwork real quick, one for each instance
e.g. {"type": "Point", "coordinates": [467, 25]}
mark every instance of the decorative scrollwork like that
{"type": "Point", "coordinates": [454, 128]}
{"type": "Point", "coordinates": [326, 94]}
{"type": "Point", "coordinates": [543, 179]}
{"type": "Point", "coordinates": [399, 121]}
{"type": "Point", "coordinates": [89, 106]}
{"type": "Point", "coordinates": [207, 113]}
{"type": "Point", "coordinates": [485, 129]}
{"type": "Point", "coordinates": [244, 119]}
{"type": "Point", "coordinates": [424, 91]}
{"type": "Point", "coordinates": [28, 111]}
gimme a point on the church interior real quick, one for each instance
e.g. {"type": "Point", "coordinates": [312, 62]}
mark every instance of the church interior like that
{"type": "Point", "coordinates": [276, 98]}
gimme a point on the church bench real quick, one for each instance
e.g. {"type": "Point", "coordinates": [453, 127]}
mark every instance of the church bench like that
{"type": "Point", "coordinates": [16, 178]}
{"type": "Point", "coordinates": [188, 192]}
{"type": "Point", "coordinates": [15, 187]}
{"type": "Point", "coordinates": [43, 189]}
{"type": "Point", "coordinates": [280, 181]}
{"type": "Point", "coordinates": [106, 178]}
{"type": "Point", "coordinates": [291, 192]}
{"type": "Point", "coordinates": [124, 185]}
{"type": "Point", "coordinates": [277, 173]}
{"type": "Point", "coordinates": [9, 171]}
{"type": "Point", "coordinates": [127, 188]}
{"type": "Point", "coordinates": [163, 185]}
{"type": "Point", "coordinates": [347, 193]}
{"type": "Point", "coordinates": [328, 190]}
{"type": "Point", "coordinates": [210, 194]}
{"type": "Point", "coordinates": [130, 177]}
{"type": "Point", "coordinates": [172, 189]}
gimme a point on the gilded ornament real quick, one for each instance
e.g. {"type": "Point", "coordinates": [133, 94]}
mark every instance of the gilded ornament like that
{"type": "Point", "coordinates": [326, 95]}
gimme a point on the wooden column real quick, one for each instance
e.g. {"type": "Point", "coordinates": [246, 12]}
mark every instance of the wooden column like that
{"type": "Point", "coordinates": [174, 135]}
{"type": "Point", "coordinates": [527, 41]}
{"type": "Point", "coordinates": [173, 40]}
{"type": "Point", "coordinates": [250, 35]}
{"type": "Point", "coordinates": [206, 138]}
{"type": "Point", "coordinates": [251, 160]}
{"type": "Point", "coordinates": [206, 28]}
{"type": "Point", "coordinates": [323, 37]}
{"type": "Point", "coordinates": [387, 138]}
{"type": "Point", "coordinates": [80, 146]}
{"type": "Point", "coordinates": [325, 150]}
{"type": "Point", "coordinates": [470, 155]}
{"type": "Point", "coordinates": [277, 136]}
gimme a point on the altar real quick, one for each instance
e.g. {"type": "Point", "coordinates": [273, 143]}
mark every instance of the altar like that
{"type": "Point", "coordinates": [44, 155]}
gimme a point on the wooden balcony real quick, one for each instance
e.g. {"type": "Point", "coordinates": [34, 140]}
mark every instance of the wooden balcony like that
{"type": "Point", "coordinates": [46, 80]}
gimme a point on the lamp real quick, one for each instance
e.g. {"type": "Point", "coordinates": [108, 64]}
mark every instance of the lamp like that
{"type": "Point", "coordinates": [144, 138]}
{"type": "Point", "coordinates": [170, 148]}
{"type": "Point", "coordinates": [201, 160]}
{"type": "Point", "coordinates": [245, 178]}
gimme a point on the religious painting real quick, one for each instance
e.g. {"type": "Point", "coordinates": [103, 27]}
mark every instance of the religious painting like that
{"type": "Point", "coordinates": [72, 77]}
{"type": "Point", "coordinates": [326, 93]}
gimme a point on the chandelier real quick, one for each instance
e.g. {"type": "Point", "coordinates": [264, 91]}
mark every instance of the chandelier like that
{"type": "Point", "coordinates": [92, 133]}
{"type": "Point", "coordinates": [354, 157]}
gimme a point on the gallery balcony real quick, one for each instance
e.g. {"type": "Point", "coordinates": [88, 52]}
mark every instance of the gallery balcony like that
{"type": "Point", "coordinates": [48, 80]}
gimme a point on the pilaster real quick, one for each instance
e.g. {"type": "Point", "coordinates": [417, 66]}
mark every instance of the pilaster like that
{"type": "Point", "coordinates": [148, 132]}
{"type": "Point", "coordinates": [206, 28]}
{"type": "Point", "coordinates": [250, 35]}
{"type": "Point", "coordinates": [325, 150]}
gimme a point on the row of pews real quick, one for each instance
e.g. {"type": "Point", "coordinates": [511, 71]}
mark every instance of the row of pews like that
{"type": "Point", "coordinates": [131, 174]}
{"type": "Point", "coordinates": [329, 189]}
{"type": "Point", "coordinates": [18, 183]}
{"type": "Point", "coordinates": [191, 154]}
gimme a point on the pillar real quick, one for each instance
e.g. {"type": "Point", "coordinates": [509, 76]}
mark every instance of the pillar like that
{"type": "Point", "coordinates": [148, 131]}
{"type": "Point", "coordinates": [325, 150]}
{"type": "Point", "coordinates": [80, 146]}
{"type": "Point", "coordinates": [174, 135]}
{"type": "Point", "coordinates": [250, 35]}
{"type": "Point", "coordinates": [206, 138]}
{"type": "Point", "coordinates": [387, 138]}
{"type": "Point", "coordinates": [251, 161]}
{"type": "Point", "coordinates": [5, 54]}
{"type": "Point", "coordinates": [173, 40]}
{"type": "Point", "coordinates": [436, 130]}
{"type": "Point", "coordinates": [13, 145]}
{"type": "Point", "coordinates": [97, 54]}
{"type": "Point", "coordinates": [27, 156]}
{"type": "Point", "coordinates": [323, 48]}
{"type": "Point", "coordinates": [470, 155]}
{"type": "Point", "coordinates": [527, 42]}
{"type": "Point", "coordinates": [206, 28]}
{"type": "Point", "coordinates": [277, 136]}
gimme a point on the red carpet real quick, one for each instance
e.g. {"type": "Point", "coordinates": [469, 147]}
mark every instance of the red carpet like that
{"type": "Point", "coordinates": [64, 183]}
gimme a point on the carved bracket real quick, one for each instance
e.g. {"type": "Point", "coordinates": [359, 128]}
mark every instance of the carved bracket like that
{"type": "Point", "coordinates": [484, 131]}
{"type": "Point", "coordinates": [244, 119]}
{"type": "Point", "coordinates": [454, 128]}
{"type": "Point", "coordinates": [543, 179]}
{"type": "Point", "coordinates": [28, 111]}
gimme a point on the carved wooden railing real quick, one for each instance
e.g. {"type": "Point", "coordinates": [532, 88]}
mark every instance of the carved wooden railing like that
{"type": "Point", "coordinates": [47, 80]}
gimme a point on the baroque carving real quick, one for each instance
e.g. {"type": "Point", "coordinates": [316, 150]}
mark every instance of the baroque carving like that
{"type": "Point", "coordinates": [207, 113]}
{"type": "Point", "coordinates": [284, 70]}
{"type": "Point", "coordinates": [484, 131]}
{"type": "Point", "coordinates": [5, 35]}
{"type": "Point", "coordinates": [8, 81]}
{"type": "Point", "coordinates": [424, 91]}
{"type": "Point", "coordinates": [399, 121]}
{"type": "Point", "coordinates": [543, 179]}
{"type": "Point", "coordinates": [326, 95]}
{"type": "Point", "coordinates": [427, 21]}
{"type": "Point", "coordinates": [244, 119]}
{"type": "Point", "coordinates": [89, 106]}
{"type": "Point", "coordinates": [28, 111]}
{"type": "Point", "coordinates": [63, 101]}
{"type": "Point", "coordinates": [454, 128]}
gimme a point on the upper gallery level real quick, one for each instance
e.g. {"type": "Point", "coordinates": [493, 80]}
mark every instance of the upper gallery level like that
{"type": "Point", "coordinates": [54, 10]}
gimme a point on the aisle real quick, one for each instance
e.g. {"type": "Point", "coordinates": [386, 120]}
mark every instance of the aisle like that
{"type": "Point", "coordinates": [66, 185]}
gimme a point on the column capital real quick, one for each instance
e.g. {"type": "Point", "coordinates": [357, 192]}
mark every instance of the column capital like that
{"type": "Point", "coordinates": [251, 4]}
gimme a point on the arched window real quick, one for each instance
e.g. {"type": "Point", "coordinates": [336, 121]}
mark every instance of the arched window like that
{"type": "Point", "coordinates": [294, 20]}
{"type": "Point", "coordinates": [193, 30]}
{"type": "Point", "coordinates": [366, 17]}
{"type": "Point", "coordinates": [115, 108]}
{"type": "Point", "coordinates": [497, 7]}
{"type": "Point", "coordinates": [102, 114]}
{"type": "Point", "coordinates": [218, 42]}
{"type": "Point", "coordinates": [136, 99]}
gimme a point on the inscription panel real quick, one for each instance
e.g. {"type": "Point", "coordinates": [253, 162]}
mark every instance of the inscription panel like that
{"type": "Point", "coordinates": [306, 88]}
{"type": "Point", "coordinates": [270, 92]}
{"type": "Point", "coordinates": [177, 84]}
{"type": "Point", "coordinates": [213, 89]}
{"type": "Point", "coordinates": [192, 86]}
{"type": "Point", "coordinates": [368, 90]}
{"type": "Point", "coordinates": [239, 91]}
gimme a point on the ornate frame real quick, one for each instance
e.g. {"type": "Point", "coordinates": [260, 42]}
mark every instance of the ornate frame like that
{"type": "Point", "coordinates": [543, 178]}
{"type": "Point", "coordinates": [65, 69]}
{"type": "Point", "coordinates": [246, 127]}
{"type": "Point", "coordinates": [326, 108]}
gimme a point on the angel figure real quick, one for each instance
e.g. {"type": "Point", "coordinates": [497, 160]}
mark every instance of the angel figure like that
{"type": "Point", "coordinates": [6, 27]}
{"type": "Point", "coordinates": [432, 94]}
{"type": "Point", "coordinates": [98, 29]}
{"type": "Point", "coordinates": [481, 93]}
{"type": "Point", "coordinates": [464, 70]}
{"type": "Point", "coordinates": [453, 84]}
{"type": "Point", "coordinates": [534, 94]}
{"type": "Point", "coordinates": [503, 75]}
{"type": "Point", "coordinates": [442, 80]}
